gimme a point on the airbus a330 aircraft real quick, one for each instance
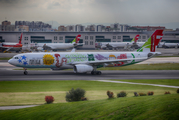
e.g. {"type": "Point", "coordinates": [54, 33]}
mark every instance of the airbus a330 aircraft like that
{"type": "Point", "coordinates": [8, 46]}
{"type": "Point", "coordinates": [83, 62]}
{"type": "Point", "coordinates": [56, 46]}
{"type": "Point", "coordinates": [120, 44]}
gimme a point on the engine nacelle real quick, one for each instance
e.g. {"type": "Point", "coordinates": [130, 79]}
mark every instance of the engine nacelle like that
{"type": "Point", "coordinates": [40, 48]}
{"type": "Point", "coordinates": [82, 68]}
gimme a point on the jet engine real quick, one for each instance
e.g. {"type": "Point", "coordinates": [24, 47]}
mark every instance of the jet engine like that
{"type": "Point", "coordinates": [40, 48]}
{"type": "Point", "coordinates": [82, 68]}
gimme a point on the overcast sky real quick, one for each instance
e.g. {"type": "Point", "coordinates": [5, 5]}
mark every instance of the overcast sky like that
{"type": "Point", "coordinates": [141, 12]}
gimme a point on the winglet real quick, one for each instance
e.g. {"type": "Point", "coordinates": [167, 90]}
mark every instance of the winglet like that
{"type": "Point", "coordinates": [20, 39]}
{"type": "Point", "coordinates": [151, 44]}
{"type": "Point", "coordinates": [135, 38]}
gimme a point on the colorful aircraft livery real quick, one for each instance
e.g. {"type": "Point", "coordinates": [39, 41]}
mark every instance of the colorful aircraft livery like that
{"type": "Point", "coordinates": [83, 62]}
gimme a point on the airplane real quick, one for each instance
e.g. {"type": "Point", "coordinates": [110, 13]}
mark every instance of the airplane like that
{"type": "Point", "coordinates": [55, 46]}
{"type": "Point", "coordinates": [83, 62]}
{"type": "Point", "coordinates": [161, 45]}
{"type": "Point", "coordinates": [8, 46]}
{"type": "Point", "coordinates": [120, 44]}
{"type": "Point", "coordinates": [168, 45]}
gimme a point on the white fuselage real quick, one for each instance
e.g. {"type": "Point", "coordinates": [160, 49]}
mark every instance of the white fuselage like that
{"type": "Point", "coordinates": [116, 44]}
{"type": "Point", "coordinates": [53, 45]}
{"type": "Point", "coordinates": [8, 43]}
{"type": "Point", "coordinates": [170, 45]}
{"type": "Point", "coordinates": [11, 46]}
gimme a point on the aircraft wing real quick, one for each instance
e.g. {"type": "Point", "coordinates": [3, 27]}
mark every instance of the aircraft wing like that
{"type": "Point", "coordinates": [79, 44]}
{"type": "Point", "coordinates": [4, 47]}
{"type": "Point", "coordinates": [7, 48]}
{"type": "Point", "coordinates": [99, 62]}
{"type": "Point", "coordinates": [109, 45]}
{"type": "Point", "coordinates": [47, 47]}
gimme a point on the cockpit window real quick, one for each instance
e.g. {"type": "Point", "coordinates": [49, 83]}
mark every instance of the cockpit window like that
{"type": "Point", "coordinates": [16, 58]}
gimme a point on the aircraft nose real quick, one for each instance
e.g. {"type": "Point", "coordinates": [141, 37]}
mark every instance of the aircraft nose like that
{"type": "Point", "coordinates": [10, 61]}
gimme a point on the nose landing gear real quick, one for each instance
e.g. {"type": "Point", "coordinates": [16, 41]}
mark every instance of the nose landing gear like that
{"type": "Point", "coordinates": [25, 72]}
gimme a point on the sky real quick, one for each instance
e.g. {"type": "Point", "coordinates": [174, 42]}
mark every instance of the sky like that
{"type": "Point", "coordinates": [132, 12]}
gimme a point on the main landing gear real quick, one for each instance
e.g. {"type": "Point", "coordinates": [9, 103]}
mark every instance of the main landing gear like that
{"type": "Point", "coordinates": [25, 72]}
{"type": "Point", "coordinates": [94, 72]}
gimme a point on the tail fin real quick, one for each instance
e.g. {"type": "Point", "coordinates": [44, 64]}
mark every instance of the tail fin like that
{"type": "Point", "coordinates": [151, 44]}
{"type": "Point", "coordinates": [76, 40]}
{"type": "Point", "coordinates": [20, 39]}
{"type": "Point", "coordinates": [135, 39]}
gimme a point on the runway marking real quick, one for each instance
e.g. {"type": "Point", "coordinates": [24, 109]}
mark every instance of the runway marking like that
{"type": "Point", "coordinates": [16, 107]}
{"type": "Point", "coordinates": [138, 83]}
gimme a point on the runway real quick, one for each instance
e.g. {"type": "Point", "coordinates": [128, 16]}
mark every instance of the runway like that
{"type": "Point", "coordinates": [11, 75]}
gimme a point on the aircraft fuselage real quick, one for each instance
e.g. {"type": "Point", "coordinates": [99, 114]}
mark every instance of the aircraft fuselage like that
{"type": "Point", "coordinates": [64, 60]}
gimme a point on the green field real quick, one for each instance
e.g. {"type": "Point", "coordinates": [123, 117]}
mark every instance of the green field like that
{"type": "Point", "coordinates": [5, 58]}
{"type": "Point", "coordinates": [159, 106]}
{"type": "Point", "coordinates": [34, 92]}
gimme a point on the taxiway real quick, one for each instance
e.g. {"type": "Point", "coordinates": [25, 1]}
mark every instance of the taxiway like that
{"type": "Point", "coordinates": [10, 75]}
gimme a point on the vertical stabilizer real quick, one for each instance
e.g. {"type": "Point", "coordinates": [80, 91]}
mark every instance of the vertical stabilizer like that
{"type": "Point", "coordinates": [20, 39]}
{"type": "Point", "coordinates": [135, 39]}
{"type": "Point", "coordinates": [151, 44]}
{"type": "Point", "coordinates": [76, 40]}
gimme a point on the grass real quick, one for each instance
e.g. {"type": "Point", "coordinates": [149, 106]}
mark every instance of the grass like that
{"type": "Point", "coordinates": [158, 106]}
{"type": "Point", "coordinates": [161, 107]}
{"type": "Point", "coordinates": [5, 58]}
{"type": "Point", "coordinates": [163, 82]}
{"type": "Point", "coordinates": [34, 92]}
{"type": "Point", "coordinates": [161, 66]}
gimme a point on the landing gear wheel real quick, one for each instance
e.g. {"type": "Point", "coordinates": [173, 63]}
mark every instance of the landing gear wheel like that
{"type": "Point", "coordinates": [95, 72]}
{"type": "Point", "coordinates": [25, 72]}
{"type": "Point", "coordinates": [92, 72]}
{"type": "Point", "coordinates": [98, 73]}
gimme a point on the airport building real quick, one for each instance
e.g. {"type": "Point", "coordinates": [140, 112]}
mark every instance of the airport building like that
{"type": "Point", "coordinates": [88, 38]}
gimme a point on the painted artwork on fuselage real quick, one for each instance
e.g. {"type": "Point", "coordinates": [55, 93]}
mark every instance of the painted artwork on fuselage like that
{"type": "Point", "coordinates": [60, 62]}
{"type": "Point", "coordinates": [112, 57]}
{"type": "Point", "coordinates": [100, 57]}
{"type": "Point", "coordinates": [48, 59]}
{"type": "Point", "coordinates": [23, 60]}
{"type": "Point", "coordinates": [34, 61]}
{"type": "Point", "coordinates": [91, 57]}
{"type": "Point", "coordinates": [122, 56]}
{"type": "Point", "coordinates": [76, 57]}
